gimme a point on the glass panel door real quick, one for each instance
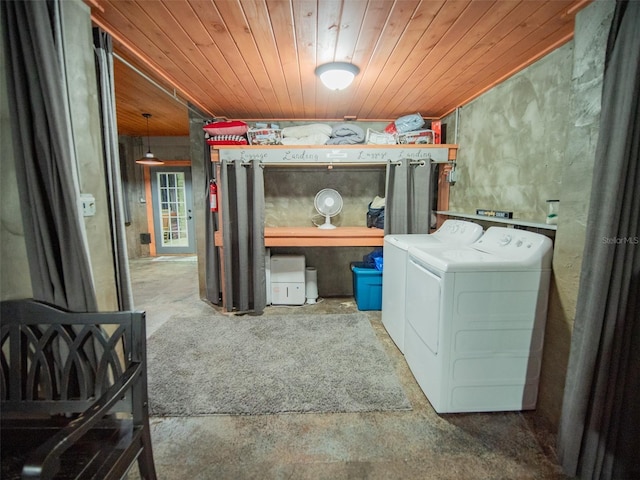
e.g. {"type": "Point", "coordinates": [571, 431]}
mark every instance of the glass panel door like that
{"type": "Point", "coordinates": [173, 210]}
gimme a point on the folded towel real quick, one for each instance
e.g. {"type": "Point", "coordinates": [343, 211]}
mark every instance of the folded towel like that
{"type": "Point", "coordinates": [300, 131]}
{"type": "Point", "coordinates": [346, 134]}
{"type": "Point", "coordinates": [314, 139]}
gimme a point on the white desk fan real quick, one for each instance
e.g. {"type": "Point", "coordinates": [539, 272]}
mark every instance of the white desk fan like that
{"type": "Point", "coordinates": [328, 202]}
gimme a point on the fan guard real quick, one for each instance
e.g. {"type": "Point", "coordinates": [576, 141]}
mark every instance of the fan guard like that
{"type": "Point", "coordinates": [328, 202]}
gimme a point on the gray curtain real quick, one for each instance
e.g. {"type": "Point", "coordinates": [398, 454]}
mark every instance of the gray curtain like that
{"type": "Point", "coordinates": [45, 156]}
{"type": "Point", "coordinates": [408, 197]}
{"type": "Point", "coordinates": [243, 214]}
{"type": "Point", "coordinates": [104, 69]}
{"type": "Point", "coordinates": [212, 260]}
{"type": "Point", "coordinates": [598, 433]}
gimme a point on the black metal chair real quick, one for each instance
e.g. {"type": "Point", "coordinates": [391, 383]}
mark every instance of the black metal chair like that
{"type": "Point", "coordinates": [73, 393]}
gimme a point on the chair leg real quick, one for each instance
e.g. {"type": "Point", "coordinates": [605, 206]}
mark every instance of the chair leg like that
{"type": "Point", "coordinates": [145, 460]}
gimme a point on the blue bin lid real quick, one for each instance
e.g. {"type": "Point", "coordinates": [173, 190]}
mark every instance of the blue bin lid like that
{"type": "Point", "coordinates": [365, 269]}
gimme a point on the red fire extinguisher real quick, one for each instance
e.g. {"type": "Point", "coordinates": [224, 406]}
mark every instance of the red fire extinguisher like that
{"type": "Point", "coordinates": [213, 196]}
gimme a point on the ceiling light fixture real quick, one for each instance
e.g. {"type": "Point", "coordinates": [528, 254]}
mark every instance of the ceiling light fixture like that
{"type": "Point", "coordinates": [337, 75]}
{"type": "Point", "coordinates": [149, 158]}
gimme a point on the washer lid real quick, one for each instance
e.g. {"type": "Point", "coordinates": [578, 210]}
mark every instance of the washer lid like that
{"type": "Point", "coordinates": [452, 232]}
{"type": "Point", "coordinates": [503, 249]}
{"type": "Point", "coordinates": [404, 241]}
{"type": "Point", "coordinates": [448, 259]}
{"type": "Point", "coordinates": [458, 231]}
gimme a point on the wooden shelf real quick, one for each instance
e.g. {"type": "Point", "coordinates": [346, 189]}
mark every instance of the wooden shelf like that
{"type": "Point", "coordinates": [316, 237]}
{"type": "Point", "coordinates": [509, 221]}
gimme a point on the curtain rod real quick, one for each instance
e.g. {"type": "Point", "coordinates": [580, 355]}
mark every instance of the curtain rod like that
{"type": "Point", "coordinates": [328, 164]}
{"type": "Point", "coordinates": [419, 163]}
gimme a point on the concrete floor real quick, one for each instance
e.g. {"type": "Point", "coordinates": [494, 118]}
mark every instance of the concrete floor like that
{"type": "Point", "coordinates": [416, 444]}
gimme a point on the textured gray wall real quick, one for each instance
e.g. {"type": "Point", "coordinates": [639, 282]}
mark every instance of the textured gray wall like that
{"type": "Point", "coordinates": [530, 139]}
{"type": "Point", "coordinates": [512, 141]}
{"type": "Point", "coordinates": [131, 148]}
{"type": "Point", "coordinates": [87, 135]}
{"type": "Point", "coordinates": [290, 192]}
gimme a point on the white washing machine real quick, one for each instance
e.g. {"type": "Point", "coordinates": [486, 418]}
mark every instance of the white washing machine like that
{"type": "Point", "coordinates": [451, 232]}
{"type": "Point", "coordinates": [475, 321]}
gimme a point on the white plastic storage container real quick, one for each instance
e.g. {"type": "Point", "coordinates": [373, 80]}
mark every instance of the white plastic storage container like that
{"type": "Point", "coordinates": [288, 280]}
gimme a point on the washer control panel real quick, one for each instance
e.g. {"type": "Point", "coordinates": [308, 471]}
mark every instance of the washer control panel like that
{"type": "Point", "coordinates": [512, 243]}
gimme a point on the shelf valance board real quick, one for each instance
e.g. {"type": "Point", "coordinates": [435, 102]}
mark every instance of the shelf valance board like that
{"type": "Point", "coordinates": [336, 155]}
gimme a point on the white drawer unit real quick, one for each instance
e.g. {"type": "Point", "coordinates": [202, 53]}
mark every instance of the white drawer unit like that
{"type": "Point", "coordinates": [287, 280]}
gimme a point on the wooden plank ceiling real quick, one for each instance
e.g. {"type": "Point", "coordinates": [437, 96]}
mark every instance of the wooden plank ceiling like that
{"type": "Point", "coordinates": [255, 59]}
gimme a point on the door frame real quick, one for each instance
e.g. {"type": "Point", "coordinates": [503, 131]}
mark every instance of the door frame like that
{"type": "Point", "coordinates": [149, 197]}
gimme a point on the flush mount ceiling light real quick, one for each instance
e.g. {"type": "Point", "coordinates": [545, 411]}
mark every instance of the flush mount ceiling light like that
{"type": "Point", "coordinates": [149, 158]}
{"type": "Point", "coordinates": [337, 75]}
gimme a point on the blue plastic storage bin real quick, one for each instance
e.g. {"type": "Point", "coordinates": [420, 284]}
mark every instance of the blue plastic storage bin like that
{"type": "Point", "coordinates": [367, 286]}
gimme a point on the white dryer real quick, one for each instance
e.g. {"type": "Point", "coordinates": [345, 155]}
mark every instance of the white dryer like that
{"type": "Point", "coordinates": [451, 232]}
{"type": "Point", "coordinates": [475, 321]}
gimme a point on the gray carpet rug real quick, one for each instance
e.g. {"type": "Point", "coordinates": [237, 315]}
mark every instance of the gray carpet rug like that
{"type": "Point", "coordinates": [270, 364]}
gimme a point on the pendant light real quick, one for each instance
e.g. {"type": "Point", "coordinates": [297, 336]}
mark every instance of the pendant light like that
{"type": "Point", "coordinates": [149, 158]}
{"type": "Point", "coordinates": [337, 75]}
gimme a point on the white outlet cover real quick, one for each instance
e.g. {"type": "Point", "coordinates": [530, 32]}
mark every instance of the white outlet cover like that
{"type": "Point", "coordinates": [88, 204]}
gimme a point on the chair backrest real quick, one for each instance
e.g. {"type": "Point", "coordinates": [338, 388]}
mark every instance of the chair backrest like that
{"type": "Point", "coordinates": [54, 361]}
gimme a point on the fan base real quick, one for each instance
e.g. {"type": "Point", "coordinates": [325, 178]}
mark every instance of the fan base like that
{"type": "Point", "coordinates": [326, 226]}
